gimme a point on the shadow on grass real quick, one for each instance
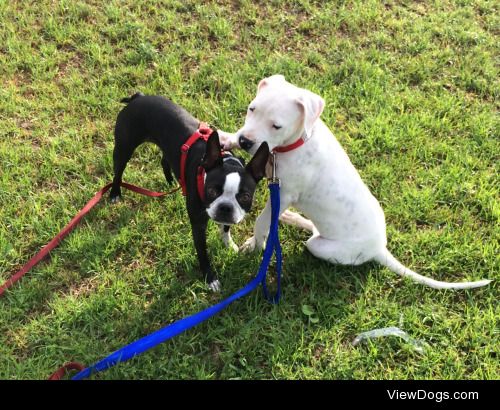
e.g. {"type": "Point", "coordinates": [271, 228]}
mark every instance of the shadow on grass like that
{"type": "Point", "coordinates": [67, 265]}
{"type": "Point", "coordinates": [321, 281]}
{"type": "Point", "coordinates": [306, 281]}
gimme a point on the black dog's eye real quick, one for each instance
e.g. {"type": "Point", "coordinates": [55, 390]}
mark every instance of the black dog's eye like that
{"type": "Point", "coordinates": [251, 109]}
{"type": "Point", "coordinates": [276, 127]}
{"type": "Point", "coordinates": [212, 192]}
{"type": "Point", "coordinates": [245, 197]}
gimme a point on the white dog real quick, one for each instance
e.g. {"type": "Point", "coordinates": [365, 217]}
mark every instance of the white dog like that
{"type": "Point", "coordinates": [318, 179]}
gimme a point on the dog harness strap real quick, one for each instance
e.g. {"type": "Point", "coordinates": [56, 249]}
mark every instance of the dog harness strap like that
{"type": "Point", "coordinates": [290, 147]}
{"type": "Point", "coordinates": [203, 132]}
{"type": "Point", "coordinates": [200, 182]}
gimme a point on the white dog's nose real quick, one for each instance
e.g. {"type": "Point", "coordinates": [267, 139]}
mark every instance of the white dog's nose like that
{"type": "Point", "coordinates": [245, 143]}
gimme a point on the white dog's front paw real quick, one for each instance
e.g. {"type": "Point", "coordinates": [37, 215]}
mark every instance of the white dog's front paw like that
{"type": "Point", "coordinates": [215, 285]}
{"type": "Point", "coordinates": [227, 140]}
{"type": "Point", "coordinates": [249, 245]}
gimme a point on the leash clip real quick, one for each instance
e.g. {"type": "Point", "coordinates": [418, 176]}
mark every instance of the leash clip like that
{"type": "Point", "coordinates": [274, 179]}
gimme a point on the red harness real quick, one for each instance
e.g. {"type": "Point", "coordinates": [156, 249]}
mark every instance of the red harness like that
{"type": "Point", "coordinates": [290, 147]}
{"type": "Point", "coordinates": [203, 132]}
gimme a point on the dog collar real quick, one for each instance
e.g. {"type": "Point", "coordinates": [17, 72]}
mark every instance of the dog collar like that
{"type": "Point", "coordinates": [203, 132]}
{"type": "Point", "coordinates": [232, 158]}
{"type": "Point", "coordinates": [290, 147]}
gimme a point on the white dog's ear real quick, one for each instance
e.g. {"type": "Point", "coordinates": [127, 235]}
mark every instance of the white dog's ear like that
{"type": "Point", "coordinates": [312, 106]}
{"type": "Point", "coordinates": [266, 81]}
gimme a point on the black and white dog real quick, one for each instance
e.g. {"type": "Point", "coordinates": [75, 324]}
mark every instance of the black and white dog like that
{"type": "Point", "coordinates": [216, 184]}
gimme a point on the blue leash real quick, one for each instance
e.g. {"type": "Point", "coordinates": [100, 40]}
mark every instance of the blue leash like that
{"type": "Point", "coordinates": [150, 341]}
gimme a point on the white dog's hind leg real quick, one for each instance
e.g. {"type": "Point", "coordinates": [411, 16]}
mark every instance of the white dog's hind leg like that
{"type": "Point", "coordinates": [388, 260]}
{"type": "Point", "coordinates": [335, 251]}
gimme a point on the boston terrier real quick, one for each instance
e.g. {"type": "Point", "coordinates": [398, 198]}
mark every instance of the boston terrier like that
{"type": "Point", "coordinates": [216, 183]}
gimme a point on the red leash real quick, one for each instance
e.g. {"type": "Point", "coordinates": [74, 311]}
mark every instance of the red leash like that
{"type": "Point", "coordinates": [70, 226]}
{"type": "Point", "coordinates": [60, 373]}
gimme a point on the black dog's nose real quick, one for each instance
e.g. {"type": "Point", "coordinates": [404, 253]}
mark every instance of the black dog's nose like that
{"type": "Point", "coordinates": [245, 143]}
{"type": "Point", "coordinates": [225, 209]}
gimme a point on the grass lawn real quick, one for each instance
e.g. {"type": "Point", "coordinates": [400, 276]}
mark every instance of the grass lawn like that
{"type": "Point", "coordinates": [412, 92]}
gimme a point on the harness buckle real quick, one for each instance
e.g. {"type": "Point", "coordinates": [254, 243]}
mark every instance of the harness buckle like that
{"type": "Point", "coordinates": [185, 148]}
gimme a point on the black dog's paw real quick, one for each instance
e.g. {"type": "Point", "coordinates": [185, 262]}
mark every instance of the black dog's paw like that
{"type": "Point", "coordinates": [215, 286]}
{"type": "Point", "coordinates": [115, 199]}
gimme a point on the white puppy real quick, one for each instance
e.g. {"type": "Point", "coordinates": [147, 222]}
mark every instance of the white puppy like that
{"type": "Point", "coordinates": [317, 178]}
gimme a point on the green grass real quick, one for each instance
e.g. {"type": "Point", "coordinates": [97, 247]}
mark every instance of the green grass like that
{"type": "Point", "coordinates": [412, 94]}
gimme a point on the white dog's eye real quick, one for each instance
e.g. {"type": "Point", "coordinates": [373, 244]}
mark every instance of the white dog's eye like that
{"type": "Point", "coordinates": [276, 127]}
{"type": "Point", "coordinates": [251, 109]}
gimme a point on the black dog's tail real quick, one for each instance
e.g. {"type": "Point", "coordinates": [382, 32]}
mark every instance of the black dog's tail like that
{"type": "Point", "coordinates": [126, 100]}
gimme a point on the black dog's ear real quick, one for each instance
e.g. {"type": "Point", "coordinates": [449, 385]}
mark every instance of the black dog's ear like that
{"type": "Point", "coordinates": [213, 155]}
{"type": "Point", "coordinates": [257, 165]}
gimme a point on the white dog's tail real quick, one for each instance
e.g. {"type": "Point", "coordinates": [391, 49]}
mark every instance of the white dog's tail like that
{"type": "Point", "coordinates": [393, 264]}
